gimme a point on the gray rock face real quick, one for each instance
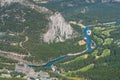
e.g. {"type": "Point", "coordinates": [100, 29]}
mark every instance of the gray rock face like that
{"type": "Point", "coordinates": [59, 30]}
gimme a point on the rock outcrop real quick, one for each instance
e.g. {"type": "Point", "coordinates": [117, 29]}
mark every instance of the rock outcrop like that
{"type": "Point", "coordinates": [59, 30]}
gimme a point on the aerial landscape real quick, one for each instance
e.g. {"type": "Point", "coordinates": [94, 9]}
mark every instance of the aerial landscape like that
{"type": "Point", "coordinates": [59, 39]}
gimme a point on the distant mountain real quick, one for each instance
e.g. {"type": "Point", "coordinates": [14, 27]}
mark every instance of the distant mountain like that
{"type": "Point", "coordinates": [81, 1]}
{"type": "Point", "coordinates": [87, 11]}
{"type": "Point", "coordinates": [101, 1]}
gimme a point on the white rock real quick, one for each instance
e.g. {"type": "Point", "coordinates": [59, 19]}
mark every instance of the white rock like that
{"type": "Point", "coordinates": [59, 30]}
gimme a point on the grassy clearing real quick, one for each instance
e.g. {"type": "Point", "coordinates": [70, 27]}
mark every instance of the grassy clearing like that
{"type": "Point", "coordinates": [76, 59]}
{"type": "Point", "coordinates": [107, 32]}
{"type": "Point", "coordinates": [73, 78]}
{"type": "Point", "coordinates": [108, 41]}
{"type": "Point", "coordinates": [84, 69]}
{"type": "Point", "coordinates": [98, 40]}
{"type": "Point", "coordinates": [98, 29]}
{"type": "Point", "coordinates": [94, 53]}
{"type": "Point", "coordinates": [105, 53]}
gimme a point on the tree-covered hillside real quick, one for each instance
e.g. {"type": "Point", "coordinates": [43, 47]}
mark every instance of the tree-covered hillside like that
{"type": "Point", "coordinates": [21, 40]}
{"type": "Point", "coordinates": [23, 28]}
{"type": "Point", "coordinates": [89, 13]}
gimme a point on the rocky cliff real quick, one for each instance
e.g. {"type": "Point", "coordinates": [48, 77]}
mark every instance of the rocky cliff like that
{"type": "Point", "coordinates": [59, 30]}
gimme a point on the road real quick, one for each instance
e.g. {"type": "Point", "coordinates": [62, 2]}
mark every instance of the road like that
{"type": "Point", "coordinates": [21, 43]}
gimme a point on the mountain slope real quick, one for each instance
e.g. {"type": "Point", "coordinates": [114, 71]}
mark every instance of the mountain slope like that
{"type": "Point", "coordinates": [27, 26]}
{"type": "Point", "coordinates": [60, 26]}
{"type": "Point", "coordinates": [87, 12]}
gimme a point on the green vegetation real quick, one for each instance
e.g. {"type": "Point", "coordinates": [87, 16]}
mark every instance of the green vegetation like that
{"type": "Point", "coordinates": [6, 60]}
{"type": "Point", "coordinates": [77, 28]}
{"type": "Point", "coordinates": [47, 51]}
{"type": "Point", "coordinates": [105, 53]}
{"type": "Point", "coordinates": [94, 13]}
{"type": "Point", "coordinates": [75, 64]}
{"type": "Point", "coordinates": [75, 60]}
{"type": "Point", "coordinates": [98, 40]}
{"type": "Point", "coordinates": [33, 27]}
{"type": "Point", "coordinates": [10, 42]}
{"type": "Point", "coordinates": [95, 53]}
{"type": "Point", "coordinates": [15, 74]}
{"type": "Point", "coordinates": [7, 66]}
{"type": "Point", "coordinates": [108, 41]}
{"type": "Point", "coordinates": [115, 34]}
{"type": "Point", "coordinates": [97, 30]}
{"type": "Point", "coordinates": [103, 67]}
{"type": "Point", "coordinates": [107, 32]}
{"type": "Point", "coordinates": [84, 69]}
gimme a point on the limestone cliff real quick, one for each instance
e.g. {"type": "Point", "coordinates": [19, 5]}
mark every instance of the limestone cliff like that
{"type": "Point", "coordinates": [59, 30]}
